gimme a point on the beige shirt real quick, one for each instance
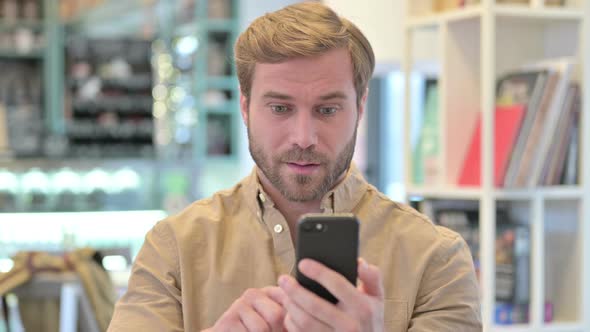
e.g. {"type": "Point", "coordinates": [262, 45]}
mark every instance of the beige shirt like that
{"type": "Point", "coordinates": [193, 265]}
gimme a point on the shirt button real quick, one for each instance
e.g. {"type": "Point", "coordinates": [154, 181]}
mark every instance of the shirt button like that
{"type": "Point", "coordinates": [278, 228]}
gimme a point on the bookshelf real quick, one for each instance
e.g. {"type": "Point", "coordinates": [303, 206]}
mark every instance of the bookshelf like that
{"type": "Point", "coordinates": [30, 50]}
{"type": "Point", "coordinates": [200, 50]}
{"type": "Point", "coordinates": [467, 50]}
{"type": "Point", "coordinates": [180, 175]}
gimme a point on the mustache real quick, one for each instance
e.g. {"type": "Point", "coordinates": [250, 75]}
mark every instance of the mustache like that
{"type": "Point", "coordinates": [303, 155]}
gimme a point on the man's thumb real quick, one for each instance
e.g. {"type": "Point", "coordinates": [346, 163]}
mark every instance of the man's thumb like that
{"type": "Point", "coordinates": [370, 277]}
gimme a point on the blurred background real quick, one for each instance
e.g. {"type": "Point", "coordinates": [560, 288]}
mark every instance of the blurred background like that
{"type": "Point", "coordinates": [130, 108]}
{"type": "Point", "coordinates": [117, 113]}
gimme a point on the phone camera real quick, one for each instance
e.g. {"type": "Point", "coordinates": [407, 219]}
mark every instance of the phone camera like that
{"type": "Point", "coordinates": [307, 227]}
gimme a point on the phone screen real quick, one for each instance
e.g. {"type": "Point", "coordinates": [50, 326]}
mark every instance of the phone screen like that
{"type": "Point", "coordinates": [331, 239]}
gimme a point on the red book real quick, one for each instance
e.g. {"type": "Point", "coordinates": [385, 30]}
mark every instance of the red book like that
{"type": "Point", "coordinates": [508, 120]}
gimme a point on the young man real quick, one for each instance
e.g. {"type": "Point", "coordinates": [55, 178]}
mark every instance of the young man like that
{"type": "Point", "coordinates": [226, 263]}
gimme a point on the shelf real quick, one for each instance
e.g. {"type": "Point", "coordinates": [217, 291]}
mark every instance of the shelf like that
{"type": "Point", "coordinates": [107, 10]}
{"type": "Point", "coordinates": [225, 108]}
{"type": "Point", "coordinates": [473, 193]}
{"type": "Point", "coordinates": [470, 12]}
{"type": "Point", "coordinates": [192, 28]}
{"type": "Point", "coordinates": [550, 13]}
{"type": "Point", "coordinates": [435, 19]}
{"type": "Point", "coordinates": [36, 25]}
{"type": "Point", "coordinates": [126, 104]}
{"type": "Point", "coordinates": [11, 54]}
{"type": "Point", "coordinates": [562, 327]}
{"type": "Point", "coordinates": [555, 192]}
{"type": "Point", "coordinates": [513, 328]}
{"type": "Point", "coordinates": [226, 25]}
{"type": "Point", "coordinates": [186, 29]}
{"type": "Point", "coordinates": [445, 193]}
{"type": "Point", "coordinates": [222, 82]}
{"type": "Point", "coordinates": [556, 327]}
{"type": "Point", "coordinates": [136, 82]}
{"type": "Point", "coordinates": [130, 130]}
{"type": "Point", "coordinates": [472, 49]}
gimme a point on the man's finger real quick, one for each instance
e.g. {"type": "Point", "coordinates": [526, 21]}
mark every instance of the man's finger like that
{"type": "Point", "coordinates": [290, 325]}
{"type": "Point", "coordinates": [370, 276]}
{"type": "Point", "coordinates": [314, 305]}
{"type": "Point", "coordinates": [333, 281]}
{"type": "Point", "coordinates": [276, 294]}
{"type": "Point", "coordinates": [302, 318]}
{"type": "Point", "coordinates": [252, 320]}
{"type": "Point", "coordinates": [272, 312]}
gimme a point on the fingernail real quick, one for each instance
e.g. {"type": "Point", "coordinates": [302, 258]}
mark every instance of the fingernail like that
{"type": "Point", "coordinates": [283, 281]}
{"type": "Point", "coordinates": [303, 265]}
{"type": "Point", "coordinates": [364, 264]}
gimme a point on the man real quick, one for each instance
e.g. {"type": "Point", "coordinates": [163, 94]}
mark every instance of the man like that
{"type": "Point", "coordinates": [303, 75]}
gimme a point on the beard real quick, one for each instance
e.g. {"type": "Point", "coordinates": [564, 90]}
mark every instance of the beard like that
{"type": "Point", "coordinates": [301, 187]}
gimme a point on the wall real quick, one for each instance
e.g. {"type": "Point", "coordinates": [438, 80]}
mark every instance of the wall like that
{"type": "Point", "coordinates": [381, 21]}
{"type": "Point", "coordinates": [249, 10]}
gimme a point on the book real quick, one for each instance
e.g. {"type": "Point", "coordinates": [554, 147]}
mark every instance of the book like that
{"type": "Point", "coordinates": [512, 245]}
{"type": "Point", "coordinates": [540, 141]}
{"type": "Point", "coordinates": [558, 148]}
{"type": "Point", "coordinates": [510, 314]}
{"type": "Point", "coordinates": [536, 92]}
{"type": "Point", "coordinates": [519, 87]}
{"type": "Point", "coordinates": [426, 156]}
{"type": "Point", "coordinates": [512, 262]}
{"type": "Point", "coordinates": [531, 139]}
{"type": "Point", "coordinates": [507, 123]}
{"type": "Point", "coordinates": [570, 173]}
{"type": "Point", "coordinates": [536, 156]}
{"type": "Point", "coordinates": [568, 140]}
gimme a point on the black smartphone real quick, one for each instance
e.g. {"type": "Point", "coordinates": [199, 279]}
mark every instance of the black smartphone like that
{"type": "Point", "coordinates": [331, 239]}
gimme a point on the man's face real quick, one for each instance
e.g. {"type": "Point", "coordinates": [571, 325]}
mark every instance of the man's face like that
{"type": "Point", "coordinates": [302, 118]}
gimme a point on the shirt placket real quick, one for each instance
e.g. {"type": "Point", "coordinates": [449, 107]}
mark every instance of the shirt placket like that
{"type": "Point", "coordinates": [283, 245]}
{"type": "Point", "coordinates": [327, 204]}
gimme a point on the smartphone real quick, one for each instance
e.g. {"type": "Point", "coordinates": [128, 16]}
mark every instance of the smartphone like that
{"type": "Point", "coordinates": [331, 239]}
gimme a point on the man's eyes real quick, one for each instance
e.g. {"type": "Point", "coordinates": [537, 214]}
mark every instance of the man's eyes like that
{"type": "Point", "coordinates": [327, 110]}
{"type": "Point", "coordinates": [324, 110]}
{"type": "Point", "coordinates": [280, 109]}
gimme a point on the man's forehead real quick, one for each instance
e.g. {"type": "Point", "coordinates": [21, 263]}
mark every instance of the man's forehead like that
{"type": "Point", "coordinates": [330, 95]}
{"type": "Point", "coordinates": [331, 73]}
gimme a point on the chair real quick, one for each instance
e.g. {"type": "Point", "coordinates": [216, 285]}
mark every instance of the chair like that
{"type": "Point", "coordinates": [75, 308]}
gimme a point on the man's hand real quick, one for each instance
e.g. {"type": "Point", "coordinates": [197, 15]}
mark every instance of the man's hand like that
{"type": "Point", "coordinates": [358, 309]}
{"type": "Point", "coordinates": [257, 310]}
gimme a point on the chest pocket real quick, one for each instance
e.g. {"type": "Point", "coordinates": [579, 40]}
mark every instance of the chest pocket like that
{"type": "Point", "coordinates": [396, 315]}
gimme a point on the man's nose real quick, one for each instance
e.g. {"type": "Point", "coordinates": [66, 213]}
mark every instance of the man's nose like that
{"type": "Point", "coordinates": [304, 130]}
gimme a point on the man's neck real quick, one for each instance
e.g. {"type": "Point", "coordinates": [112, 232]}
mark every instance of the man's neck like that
{"type": "Point", "coordinates": [291, 210]}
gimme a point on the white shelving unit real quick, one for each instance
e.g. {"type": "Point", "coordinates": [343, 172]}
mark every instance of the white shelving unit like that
{"type": "Point", "coordinates": [467, 49]}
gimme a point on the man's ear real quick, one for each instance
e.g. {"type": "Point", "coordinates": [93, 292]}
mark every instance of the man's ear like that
{"type": "Point", "coordinates": [363, 104]}
{"type": "Point", "coordinates": [244, 108]}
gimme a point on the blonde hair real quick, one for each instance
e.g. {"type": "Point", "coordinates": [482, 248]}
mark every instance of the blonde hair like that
{"type": "Point", "coordinates": [301, 30]}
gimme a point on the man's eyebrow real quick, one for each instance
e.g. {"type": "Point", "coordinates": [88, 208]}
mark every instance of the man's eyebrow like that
{"type": "Point", "coordinates": [334, 95]}
{"type": "Point", "coordinates": [276, 95]}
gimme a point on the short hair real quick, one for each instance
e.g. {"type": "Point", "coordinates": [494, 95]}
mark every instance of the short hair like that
{"type": "Point", "coordinates": [301, 30]}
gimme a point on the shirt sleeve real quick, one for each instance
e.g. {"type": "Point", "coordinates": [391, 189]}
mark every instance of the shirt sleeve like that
{"type": "Point", "coordinates": [153, 298]}
{"type": "Point", "coordinates": [448, 298]}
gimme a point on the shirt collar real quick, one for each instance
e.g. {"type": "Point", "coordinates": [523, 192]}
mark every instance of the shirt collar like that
{"type": "Point", "coordinates": [344, 197]}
